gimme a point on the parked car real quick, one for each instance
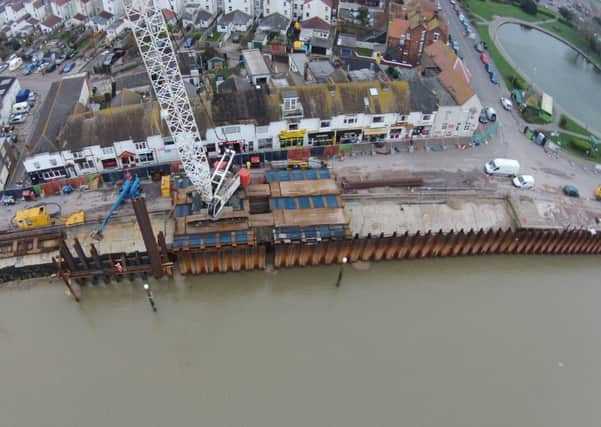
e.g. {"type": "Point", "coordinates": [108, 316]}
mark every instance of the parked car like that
{"type": "Point", "coordinates": [488, 115]}
{"type": "Point", "coordinates": [30, 68]}
{"type": "Point", "coordinates": [8, 200]}
{"type": "Point", "coordinates": [69, 67]}
{"type": "Point", "coordinates": [484, 58]}
{"type": "Point", "coordinates": [506, 103]}
{"type": "Point", "coordinates": [17, 119]}
{"type": "Point", "coordinates": [3, 67]}
{"type": "Point", "coordinates": [524, 181]}
{"type": "Point", "coordinates": [493, 78]}
{"type": "Point", "coordinates": [60, 59]}
{"type": "Point", "coordinates": [570, 190]}
{"type": "Point", "coordinates": [51, 67]}
{"type": "Point", "coordinates": [188, 42]}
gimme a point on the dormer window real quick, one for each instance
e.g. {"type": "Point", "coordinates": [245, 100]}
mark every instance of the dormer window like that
{"type": "Point", "coordinates": [290, 104]}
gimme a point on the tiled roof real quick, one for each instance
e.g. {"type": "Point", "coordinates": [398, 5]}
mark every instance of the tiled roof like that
{"type": "Point", "coordinates": [51, 21]}
{"type": "Point", "coordinates": [453, 74]}
{"type": "Point", "coordinates": [315, 23]}
{"type": "Point", "coordinates": [169, 14]}
{"type": "Point", "coordinates": [79, 17]}
{"type": "Point", "coordinates": [38, 4]}
{"type": "Point", "coordinates": [106, 15]}
{"type": "Point", "coordinates": [397, 28]}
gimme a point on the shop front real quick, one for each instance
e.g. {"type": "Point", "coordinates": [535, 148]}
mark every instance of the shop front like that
{"type": "Point", "coordinates": [292, 138]}
{"type": "Point", "coordinates": [348, 136]}
{"type": "Point", "coordinates": [375, 135]}
{"type": "Point", "coordinates": [317, 139]}
{"type": "Point", "coordinates": [400, 130]}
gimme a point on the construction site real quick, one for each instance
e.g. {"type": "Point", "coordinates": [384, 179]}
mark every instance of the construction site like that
{"type": "Point", "coordinates": [206, 215]}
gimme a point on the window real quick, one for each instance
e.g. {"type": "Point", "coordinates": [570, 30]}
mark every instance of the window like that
{"type": "Point", "coordinates": [436, 36]}
{"type": "Point", "coordinates": [427, 117]}
{"type": "Point", "coordinates": [289, 104]}
{"type": "Point", "coordinates": [146, 157]}
{"type": "Point", "coordinates": [169, 142]}
{"type": "Point", "coordinates": [324, 124]}
{"type": "Point", "coordinates": [89, 164]}
{"type": "Point", "coordinates": [350, 120]}
{"type": "Point", "coordinates": [444, 126]}
{"type": "Point", "coordinates": [293, 126]}
{"type": "Point", "coordinates": [229, 9]}
{"type": "Point", "coordinates": [53, 162]}
{"type": "Point", "coordinates": [141, 145]}
{"type": "Point", "coordinates": [378, 119]}
{"type": "Point", "coordinates": [265, 143]}
{"type": "Point", "coordinates": [467, 126]}
{"type": "Point", "coordinates": [307, 14]}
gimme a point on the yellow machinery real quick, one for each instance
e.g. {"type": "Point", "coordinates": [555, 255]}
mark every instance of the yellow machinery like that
{"type": "Point", "coordinates": [27, 219]}
{"type": "Point", "coordinates": [598, 193]}
{"type": "Point", "coordinates": [166, 186]}
{"type": "Point", "coordinates": [39, 216]}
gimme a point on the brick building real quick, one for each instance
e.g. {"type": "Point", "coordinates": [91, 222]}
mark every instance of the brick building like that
{"type": "Point", "coordinates": [412, 28]}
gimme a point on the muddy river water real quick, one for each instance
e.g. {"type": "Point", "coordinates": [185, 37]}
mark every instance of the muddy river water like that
{"type": "Point", "coordinates": [495, 341]}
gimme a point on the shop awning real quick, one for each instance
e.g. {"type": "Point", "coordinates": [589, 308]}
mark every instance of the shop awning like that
{"type": "Point", "coordinates": [288, 134]}
{"type": "Point", "coordinates": [376, 131]}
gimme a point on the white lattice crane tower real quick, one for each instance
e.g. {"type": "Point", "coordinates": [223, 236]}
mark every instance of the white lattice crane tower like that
{"type": "Point", "coordinates": [150, 31]}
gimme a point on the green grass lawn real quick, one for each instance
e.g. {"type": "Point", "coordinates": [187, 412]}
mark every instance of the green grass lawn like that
{"type": "Point", "coordinates": [503, 67]}
{"type": "Point", "coordinates": [565, 141]}
{"type": "Point", "coordinates": [216, 36]}
{"type": "Point", "coordinates": [488, 9]}
{"type": "Point", "coordinates": [570, 125]}
{"type": "Point", "coordinates": [571, 35]}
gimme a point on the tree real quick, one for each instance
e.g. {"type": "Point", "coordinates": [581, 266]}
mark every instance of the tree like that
{"type": "Point", "coordinates": [529, 6]}
{"type": "Point", "coordinates": [566, 13]}
{"type": "Point", "coordinates": [363, 15]}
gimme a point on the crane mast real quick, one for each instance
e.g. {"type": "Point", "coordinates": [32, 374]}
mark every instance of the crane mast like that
{"type": "Point", "coordinates": [152, 37]}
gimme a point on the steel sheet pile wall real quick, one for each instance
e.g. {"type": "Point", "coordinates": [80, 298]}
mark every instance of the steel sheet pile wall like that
{"type": "Point", "coordinates": [377, 248]}
{"type": "Point", "coordinates": [222, 260]}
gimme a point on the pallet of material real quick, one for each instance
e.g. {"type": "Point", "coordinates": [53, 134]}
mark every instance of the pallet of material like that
{"type": "Point", "coordinates": [308, 188]}
{"type": "Point", "coordinates": [307, 217]}
{"type": "Point", "coordinates": [258, 191]}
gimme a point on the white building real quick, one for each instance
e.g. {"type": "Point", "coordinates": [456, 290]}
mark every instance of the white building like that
{"type": "Point", "coordinates": [51, 23]}
{"type": "Point", "coordinates": [321, 9]}
{"type": "Point", "coordinates": [114, 7]}
{"type": "Point", "coordinates": [283, 7]}
{"type": "Point", "coordinates": [64, 9]}
{"type": "Point", "coordinates": [36, 9]}
{"type": "Point", "coordinates": [85, 7]}
{"type": "Point", "coordinates": [9, 86]}
{"type": "Point", "coordinates": [255, 65]}
{"type": "Point", "coordinates": [314, 27]}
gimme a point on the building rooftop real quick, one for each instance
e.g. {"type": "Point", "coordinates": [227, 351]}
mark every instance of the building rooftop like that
{"type": "Point", "coordinates": [5, 84]}
{"type": "Point", "coordinates": [60, 103]}
{"type": "Point", "coordinates": [274, 22]}
{"type": "Point", "coordinates": [329, 3]}
{"type": "Point", "coordinates": [105, 15]}
{"type": "Point", "coordinates": [112, 124]}
{"type": "Point", "coordinates": [51, 21]}
{"type": "Point", "coordinates": [321, 70]}
{"type": "Point", "coordinates": [234, 84]}
{"type": "Point", "coordinates": [202, 15]}
{"type": "Point", "coordinates": [315, 23]}
{"type": "Point", "coordinates": [397, 28]}
{"type": "Point", "coordinates": [236, 17]}
{"type": "Point", "coordinates": [453, 75]}
{"type": "Point", "coordinates": [255, 63]}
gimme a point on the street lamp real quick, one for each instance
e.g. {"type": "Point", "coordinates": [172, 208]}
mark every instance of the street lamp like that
{"type": "Point", "coordinates": [150, 297]}
{"type": "Point", "coordinates": [343, 261]}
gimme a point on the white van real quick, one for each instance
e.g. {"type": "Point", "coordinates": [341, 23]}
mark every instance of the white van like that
{"type": "Point", "coordinates": [505, 167]}
{"type": "Point", "coordinates": [14, 64]}
{"type": "Point", "coordinates": [21, 107]}
{"type": "Point", "coordinates": [524, 181]}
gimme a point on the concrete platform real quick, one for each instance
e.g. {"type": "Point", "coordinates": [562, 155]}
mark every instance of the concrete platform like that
{"type": "Point", "coordinates": [387, 216]}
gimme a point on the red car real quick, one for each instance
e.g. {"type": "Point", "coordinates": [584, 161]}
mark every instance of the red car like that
{"type": "Point", "coordinates": [484, 58]}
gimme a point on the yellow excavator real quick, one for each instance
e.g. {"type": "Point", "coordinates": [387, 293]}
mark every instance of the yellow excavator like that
{"type": "Point", "coordinates": [40, 216]}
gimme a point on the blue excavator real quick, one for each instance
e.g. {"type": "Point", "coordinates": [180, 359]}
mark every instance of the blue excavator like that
{"type": "Point", "coordinates": [130, 190]}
